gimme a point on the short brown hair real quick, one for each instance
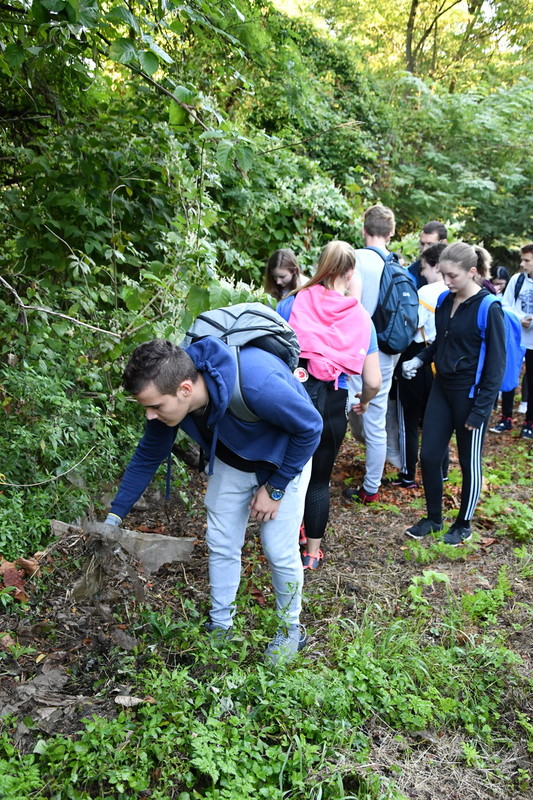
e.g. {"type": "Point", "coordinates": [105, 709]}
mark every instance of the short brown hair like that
{"type": "Point", "coordinates": [434, 226]}
{"type": "Point", "coordinates": [379, 220]}
{"type": "Point", "coordinates": [159, 362]}
{"type": "Point", "coordinates": [527, 248]}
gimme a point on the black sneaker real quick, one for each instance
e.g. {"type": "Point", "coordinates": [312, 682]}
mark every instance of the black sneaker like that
{"type": "Point", "coordinates": [422, 528]}
{"type": "Point", "coordinates": [457, 534]}
{"type": "Point", "coordinates": [527, 430]}
{"type": "Point", "coordinates": [402, 481]}
{"type": "Point", "coordinates": [505, 424]}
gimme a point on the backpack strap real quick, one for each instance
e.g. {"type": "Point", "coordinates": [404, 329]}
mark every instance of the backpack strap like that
{"type": "Point", "coordinates": [518, 285]}
{"type": "Point", "coordinates": [237, 405]}
{"type": "Point", "coordinates": [442, 297]}
{"type": "Point", "coordinates": [482, 316]}
{"type": "Point", "coordinates": [388, 258]}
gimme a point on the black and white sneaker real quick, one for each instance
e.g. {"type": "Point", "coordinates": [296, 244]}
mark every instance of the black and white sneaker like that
{"type": "Point", "coordinates": [505, 424]}
{"type": "Point", "coordinates": [527, 430]}
{"type": "Point", "coordinates": [423, 528]}
{"type": "Point", "coordinates": [457, 534]}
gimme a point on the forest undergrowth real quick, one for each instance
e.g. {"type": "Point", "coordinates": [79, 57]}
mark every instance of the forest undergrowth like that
{"type": "Point", "coordinates": [415, 683]}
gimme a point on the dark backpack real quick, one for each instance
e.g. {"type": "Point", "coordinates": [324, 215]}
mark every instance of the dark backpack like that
{"type": "Point", "coordinates": [396, 314]}
{"type": "Point", "coordinates": [246, 324]}
{"type": "Point", "coordinates": [518, 285]}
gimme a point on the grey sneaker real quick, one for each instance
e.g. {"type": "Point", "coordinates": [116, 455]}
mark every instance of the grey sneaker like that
{"type": "Point", "coordinates": [457, 534]}
{"type": "Point", "coordinates": [217, 632]}
{"type": "Point", "coordinates": [285, 644]}
{"type": "Point", "coordinates": [422, 528]}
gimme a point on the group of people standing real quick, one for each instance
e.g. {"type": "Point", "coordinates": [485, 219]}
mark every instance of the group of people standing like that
{"type": "Point", "coordinates": [276, 469]}
{"type": "Point", "coordinates": [439, 374]}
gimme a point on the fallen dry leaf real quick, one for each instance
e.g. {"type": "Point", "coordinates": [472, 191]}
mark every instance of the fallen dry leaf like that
{"type": "Point", "coordinates": [128, 701]}
{"type": "Point", "coordinates": [6, 641]}
{"type": "Point", "coordinates": [29, 565]}
{"type": "Point", "coordinates": [14, 577]}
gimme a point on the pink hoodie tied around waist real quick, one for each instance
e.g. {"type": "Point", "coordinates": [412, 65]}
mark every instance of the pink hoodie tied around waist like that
{"type": "Point", "coordinates": [333, 332]}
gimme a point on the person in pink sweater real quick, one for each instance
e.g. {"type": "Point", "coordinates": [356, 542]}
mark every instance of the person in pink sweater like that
{"type": "Point", "coordinates": [337, 339]}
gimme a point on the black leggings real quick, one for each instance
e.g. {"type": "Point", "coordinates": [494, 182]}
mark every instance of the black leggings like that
{"type": "Point", "coordinates": [317, 498]}
{"type": "Point", "coordinates": [446, 412]}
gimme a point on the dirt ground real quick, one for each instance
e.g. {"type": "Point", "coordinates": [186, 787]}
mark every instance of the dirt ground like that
{"type": "Point", "coordinates": [65, 665]}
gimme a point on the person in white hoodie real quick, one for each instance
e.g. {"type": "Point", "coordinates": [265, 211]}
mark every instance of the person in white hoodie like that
{"type": "Point", "coordinates": [518, 297]}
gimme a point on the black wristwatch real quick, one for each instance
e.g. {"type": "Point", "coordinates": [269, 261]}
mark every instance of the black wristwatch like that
{"type": "Point", "coordinates": [273, 493]}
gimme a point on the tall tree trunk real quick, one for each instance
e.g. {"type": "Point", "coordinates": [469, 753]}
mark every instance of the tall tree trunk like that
{"type": "Point", "coordinates": [409, 34]}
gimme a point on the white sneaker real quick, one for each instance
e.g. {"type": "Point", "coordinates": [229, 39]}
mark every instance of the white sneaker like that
{"type": "Point", "coordinates": [522, 408]}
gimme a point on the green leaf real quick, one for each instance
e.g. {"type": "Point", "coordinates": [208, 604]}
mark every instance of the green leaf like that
{"type": "Point", "coordinates": [198, 300]}
{"type": "Point", "coordinates": [131, 298]}
{"type": "Point", "coordinates": [72, 8]}
{"type": "Point", "coordinates": [224, 154]}
{"type": "Point", "coordinates": [122, 50]}
{"type": "Point", "coordinates": [54, 5]}
{"type": "Point", "coordinates": [184, 95]}
{"type": "Point", "coordinates": [177, 115]}
{"type": "Point", "coordinates": [162, 54]}
{"type": "Point", "coordinates": [39, 13]}
{"type": "Point", "coordinates": [244, 156]}
{"type": "Point", "coordinates": [123, 14]}
{"type": "Point", "coordinates": [219, 296]}
{"type": "Point", "coordinates": [15, 55]}
{"type": "Point", "coordinates": [149, 62]}
{"type": "Point", "coordinates": [209, 218]}
{"type": "Point", "coordinates": [177, 26]}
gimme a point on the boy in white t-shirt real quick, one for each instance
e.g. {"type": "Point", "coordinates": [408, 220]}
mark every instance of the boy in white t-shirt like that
{"type": "Point", "coordinates": [413, 394]}
{"type": "Point", "coordinates": [518, 297]}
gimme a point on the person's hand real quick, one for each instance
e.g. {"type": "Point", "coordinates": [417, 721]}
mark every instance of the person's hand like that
{"type": "Point", "coordinates": [410, 368]}
{"type": "Point", "coordinates": [112, 519]}
{"type": "Point", "coordinates": [262, 507]}
{"type": "Point", "coordinates": [360, 407]}
{"type": "Point", "coordinates": [526, 321]}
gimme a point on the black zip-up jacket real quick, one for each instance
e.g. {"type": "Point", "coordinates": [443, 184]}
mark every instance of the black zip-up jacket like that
{"type": "Point", "coordinates": [455, 351]}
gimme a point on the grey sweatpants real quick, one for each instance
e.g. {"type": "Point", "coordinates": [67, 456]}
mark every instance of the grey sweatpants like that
{"type": "Point", "coordinates": [229, 492]}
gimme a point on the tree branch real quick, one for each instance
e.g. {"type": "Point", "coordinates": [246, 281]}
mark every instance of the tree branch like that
{"type": "Point", "coordinates": [436, 18]}
{"type": "Point", "coordinates": [23, 307]}
{"type": "Point", "coordinates": [349, 124]}
{"type": "Point", "coordinates": [19, 301]}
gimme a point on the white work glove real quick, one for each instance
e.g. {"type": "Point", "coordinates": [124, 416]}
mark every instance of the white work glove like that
{"type": "Point", "coordinates": [112, 519]}
{"type": "Point", "coordinates": [410, 368]}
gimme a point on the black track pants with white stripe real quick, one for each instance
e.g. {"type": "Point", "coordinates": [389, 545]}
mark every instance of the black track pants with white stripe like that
{"type": "Point", "coordinates": [446, 412]}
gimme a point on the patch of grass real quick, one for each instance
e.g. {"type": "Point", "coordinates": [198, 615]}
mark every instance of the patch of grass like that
{"type": "Point", "coordinates": [525, 560]}
{"type": "Point", "coordinates": [432, 549]}
{"type": "Point", "coordinates": [519, 524]}
{"type": "Point", "coordinates": [484, 605]}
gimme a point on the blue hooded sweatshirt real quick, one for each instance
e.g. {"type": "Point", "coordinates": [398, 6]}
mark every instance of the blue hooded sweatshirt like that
{"type": "Point", "coordinates": [286, 435]}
